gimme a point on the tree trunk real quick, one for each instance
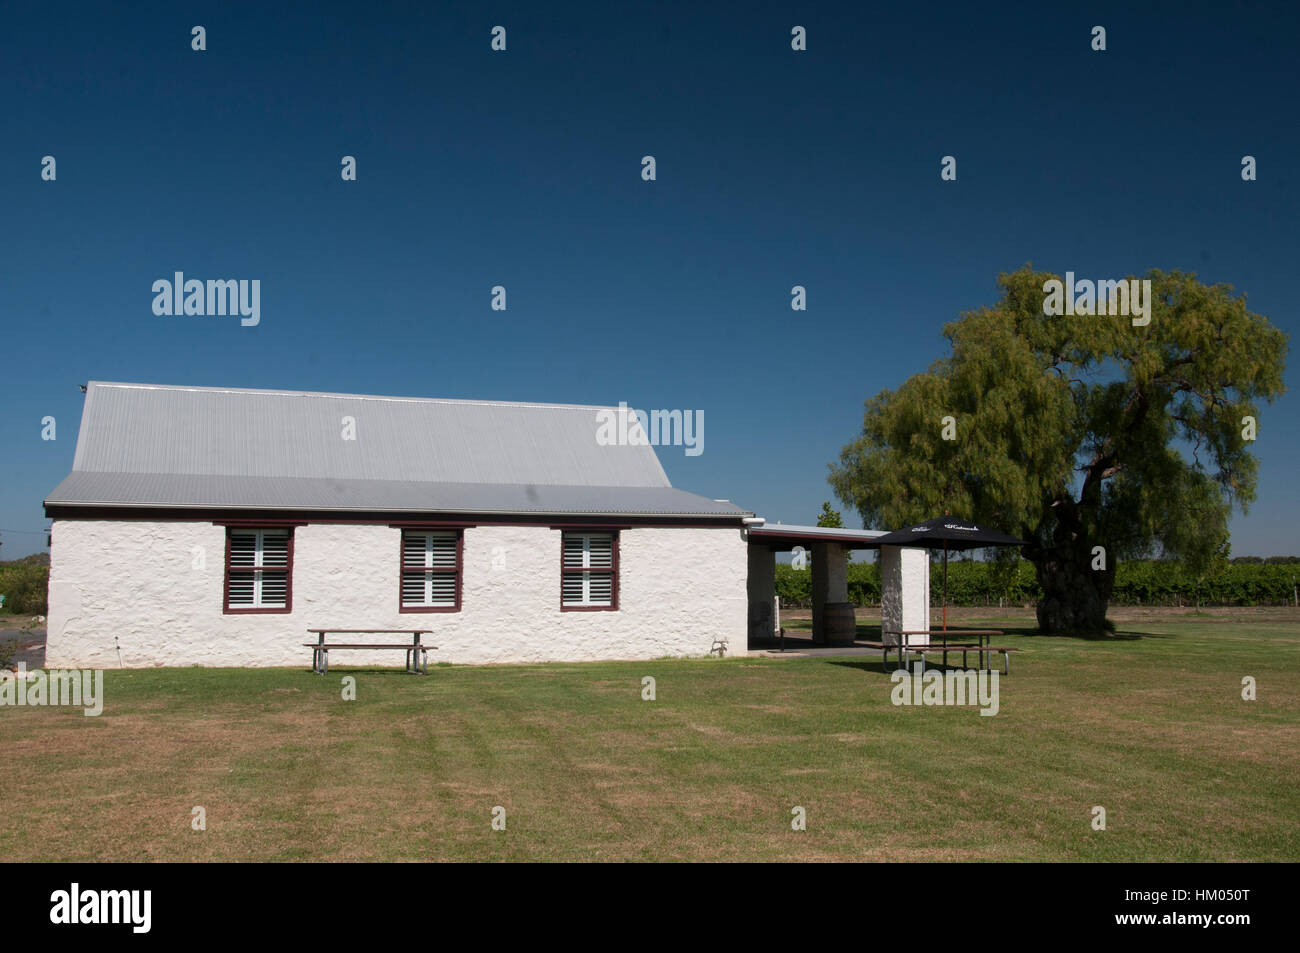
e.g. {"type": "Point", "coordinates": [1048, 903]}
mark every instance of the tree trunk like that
{"type": "Point", "coordinates": [1074, 594]}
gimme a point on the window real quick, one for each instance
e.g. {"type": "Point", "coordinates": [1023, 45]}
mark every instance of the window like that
{"type": "Point", "coordinates": [259, 570]}
{"type": "Point", "coordinates": [589, 571]}
{"type": "Point", "coordinates": [431, 567]}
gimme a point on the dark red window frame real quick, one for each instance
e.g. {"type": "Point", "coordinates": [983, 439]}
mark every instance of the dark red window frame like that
{"type": "Point", "coordinates": [288, 571]}
{"type": "Point", "coordinates": [402, 568]}
{"type": "Point", "coordinates": [613, 570]}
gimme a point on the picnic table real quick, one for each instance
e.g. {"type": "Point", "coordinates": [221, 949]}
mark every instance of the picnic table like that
{"type": "Point", "coordinates": [981, 645]}
{"type": "Point", "coordinates": [417, 654]}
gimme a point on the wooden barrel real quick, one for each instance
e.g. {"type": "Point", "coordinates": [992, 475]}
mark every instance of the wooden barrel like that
{"type": "Point", "coordinates": [838, 623]}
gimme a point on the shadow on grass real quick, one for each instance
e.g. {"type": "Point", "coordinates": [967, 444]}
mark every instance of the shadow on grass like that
{"type": "Point", "coordinates": [868, 666]}
{"type": "Point", "coordinates": [872, 666]}
{"type": "Point", "coordinates": [1124, 636]}
{"type": "Point", "coordinates": [361, 670]}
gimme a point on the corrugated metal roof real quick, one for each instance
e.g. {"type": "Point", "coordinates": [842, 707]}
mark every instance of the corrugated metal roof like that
{"type": "Point", "coordinates": [791, 533]}
{"type": "Point", "coordinates": [143, 445]}
{"type": "Point", "coordinates": [304, 493]}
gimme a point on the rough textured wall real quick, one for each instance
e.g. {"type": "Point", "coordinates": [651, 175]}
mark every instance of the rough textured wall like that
{"type": "Point", "coordinates": [904, 589]}
{"type": "Point", "coordinates": [916, 589]}
{"type": "Point", "coordinates": [143, 584]}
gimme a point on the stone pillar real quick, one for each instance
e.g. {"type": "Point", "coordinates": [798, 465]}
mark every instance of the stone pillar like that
{"type": "Point", "coordinates": [904, 590]}
{"type": "Point", "coordinates": [760, 588]}
{"type": "Point", "coordinates": [830, 582]}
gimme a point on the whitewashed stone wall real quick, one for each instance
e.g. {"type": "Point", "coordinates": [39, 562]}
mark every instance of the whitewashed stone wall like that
{"type": "Point", "coordinates": [904, 590]}
{"type": "Point", "coordinates": [133, 586]}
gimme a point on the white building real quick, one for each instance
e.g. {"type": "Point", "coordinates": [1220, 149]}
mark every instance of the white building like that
{"type": "Point", "coordinates": [214, 526]}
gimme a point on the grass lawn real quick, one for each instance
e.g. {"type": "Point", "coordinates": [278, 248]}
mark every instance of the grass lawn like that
{"type": "Point", "coordinates": [1150, 725]}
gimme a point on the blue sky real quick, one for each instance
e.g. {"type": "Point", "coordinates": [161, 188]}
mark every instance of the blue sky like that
{"type": "Point", "coordinates": [522, 168]}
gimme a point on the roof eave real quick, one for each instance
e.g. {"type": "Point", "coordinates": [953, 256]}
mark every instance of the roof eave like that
{"type": "Point", "coordinates": [52, 508]}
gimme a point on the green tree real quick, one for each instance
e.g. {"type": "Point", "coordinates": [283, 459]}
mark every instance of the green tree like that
{"type": "Point", "coordinates": [1077, 432]}
{"type": "Point", "coordinates": [1002, 571]}
{"type": "Point", "coordinates": [829, 517]}
{"type": "Point", "coordinates": [1207, 569]}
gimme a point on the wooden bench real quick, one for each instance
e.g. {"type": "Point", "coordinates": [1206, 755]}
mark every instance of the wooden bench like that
{"type": "Point", "coordinates": [980, 646]}
{"type": "Point", "coordinates": [417, 655]}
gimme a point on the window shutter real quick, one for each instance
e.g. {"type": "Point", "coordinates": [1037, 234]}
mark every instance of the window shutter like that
{"type": "Point", "coordinates": [257, 572]}
{"type": "Point", "coordinates": [275, 549]}
{"type": "Point", "coordinates": [273, 586]}
{"type": "Point", "coordinates": [243, 549]}
{"type": "Point", "coordinates": [588, 570]}
{"type": "Point", "coordinates": [574, 551]}
{"type": "Point", "coordinates": [243, 553]}
{"type": "Point", "coordinates": [600, 552]}
{"type": "Point", "coordinates": [430, 569]}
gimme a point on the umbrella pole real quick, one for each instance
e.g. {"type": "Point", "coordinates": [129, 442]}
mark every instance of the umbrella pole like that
{"type": "Point", "coordinates": [945, 585]}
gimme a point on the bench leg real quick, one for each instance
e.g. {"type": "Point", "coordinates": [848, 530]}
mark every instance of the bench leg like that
{"type": "Point", "coordinates": [324, 661]}
{"type": "Point", "coordinates": [1006, 663]}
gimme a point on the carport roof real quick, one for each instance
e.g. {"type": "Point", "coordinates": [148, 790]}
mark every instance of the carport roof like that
{"type": "Point", "coordinates": [785, 535]}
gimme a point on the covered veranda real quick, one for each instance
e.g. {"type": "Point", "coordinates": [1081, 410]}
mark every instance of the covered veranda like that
{"type": "Point", "coordinates": [904, 576]}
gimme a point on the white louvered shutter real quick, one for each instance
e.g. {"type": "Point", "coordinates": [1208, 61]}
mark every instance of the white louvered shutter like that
{"type": "Point", "coordinates": [258, 575]}
{"type": "Point", "coordinates": [243, 554]}
{"type": "Point", "coordinates": [430, 569]}
{"type": "Point", "coordinates": [588, 579]}
{"type": "Point", "coordinates": [274, 586]}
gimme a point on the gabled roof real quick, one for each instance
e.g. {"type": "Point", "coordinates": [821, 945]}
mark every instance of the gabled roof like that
{"type": "Point", "coordinates": [145, 445]}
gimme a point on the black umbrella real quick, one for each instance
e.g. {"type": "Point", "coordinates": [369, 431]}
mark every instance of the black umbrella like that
{"type": "Point", "coordinates": [950, 533]}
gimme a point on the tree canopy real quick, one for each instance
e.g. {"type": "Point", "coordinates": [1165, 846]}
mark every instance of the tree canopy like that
{"type": "Point", "coordinates": [1077, 431]}
{"type": "Point", "coordinates": [829, 517]}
